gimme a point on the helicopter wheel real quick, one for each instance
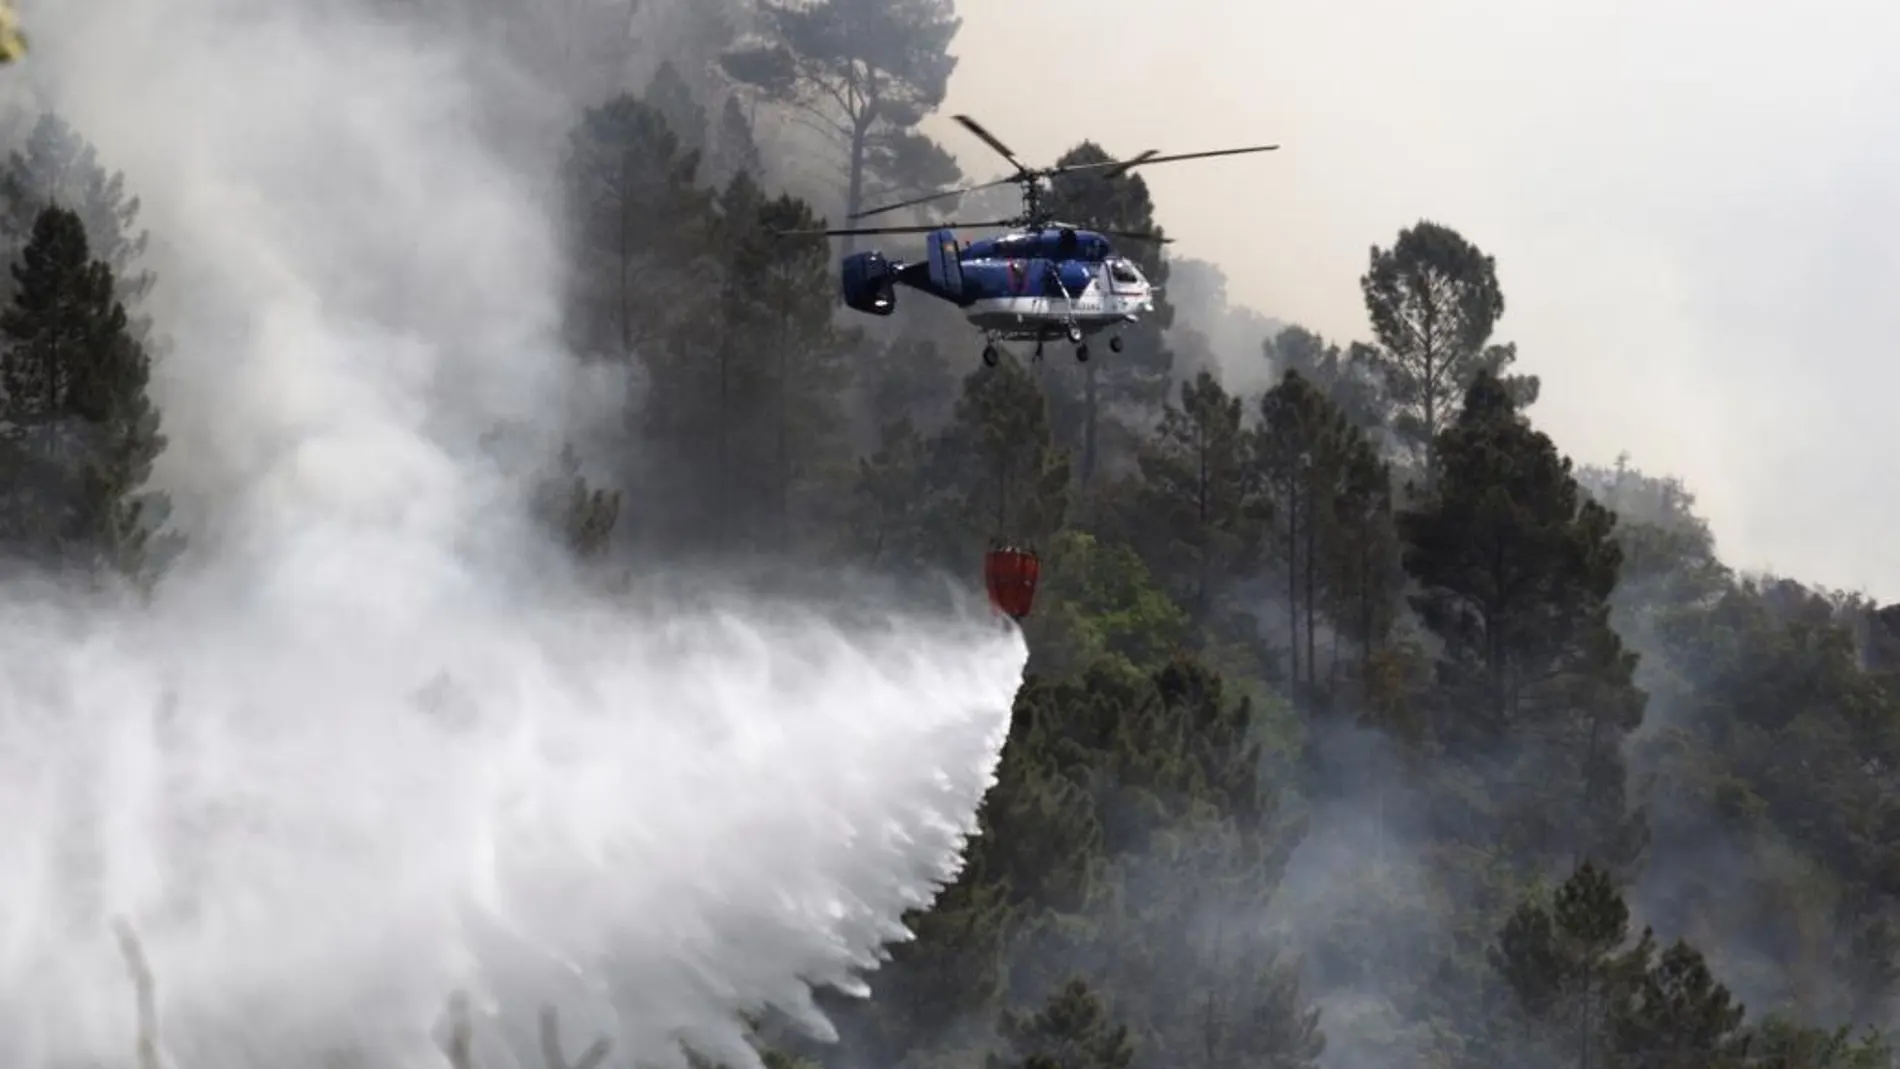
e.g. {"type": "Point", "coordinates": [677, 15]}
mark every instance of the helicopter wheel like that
{"type": "Point", "coordinates": [1081, 354]}
{"type": "Point", "coordinates": [1115, 344]}
{"type": "Point", "coordinates": [990, 356]}
{"type": "Point", "coordinates": [1075, 334]}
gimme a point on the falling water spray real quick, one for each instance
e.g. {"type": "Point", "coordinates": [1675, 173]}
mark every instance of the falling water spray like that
{"type": "Point", "coordinates": [358, 756]}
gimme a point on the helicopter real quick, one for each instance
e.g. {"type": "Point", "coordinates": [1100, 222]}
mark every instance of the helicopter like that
{"type": "Point", "coordinates": [1042, 280]}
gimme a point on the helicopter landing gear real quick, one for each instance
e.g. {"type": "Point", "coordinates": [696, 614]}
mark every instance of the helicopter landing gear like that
{"type": "Point", "coordinates": [1081, 354]}
{"type": "Point", "coordinates": [1075, 334]}
{"type": "Point", "coordinates": [1115, 344]}
{"type": "Point", "coordinates": [990, 356]}
{"type": "Point", "coordinates": [1039, 350]}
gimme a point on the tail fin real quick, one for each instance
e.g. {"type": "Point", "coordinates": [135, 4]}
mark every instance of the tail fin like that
{"type": "Point", "coordinates": [946, 269]}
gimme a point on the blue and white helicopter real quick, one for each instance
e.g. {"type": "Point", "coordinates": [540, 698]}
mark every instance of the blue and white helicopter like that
{"type": "Point", "coordinates": [1043, 280]}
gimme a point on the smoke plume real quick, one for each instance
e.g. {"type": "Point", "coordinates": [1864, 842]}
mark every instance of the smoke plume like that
{"type": "Point", "coordinates": [371, 745]}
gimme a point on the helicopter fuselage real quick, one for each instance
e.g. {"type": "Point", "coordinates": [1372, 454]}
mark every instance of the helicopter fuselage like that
{"type": "Point", "coordinates": [1042, 280]}
{"type": "Point", "coordinates": [1027, 286]}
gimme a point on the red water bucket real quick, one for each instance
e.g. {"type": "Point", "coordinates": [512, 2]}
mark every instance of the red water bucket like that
{"type": "Point", "coordinates": [1011, 573]}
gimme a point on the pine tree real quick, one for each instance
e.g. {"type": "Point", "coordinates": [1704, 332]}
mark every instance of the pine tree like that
{"type": "Point", "coordinates": [1192, 834]}
{"type": "Point", "coordinates": [1098, 600]}
{"type": "Point", "coordinates": [1139, 377]}
{"type": "Point", "coordinates": [1326, 490]}
{"type": "Point", "coordinates": [1362, 556]}
{"type": "Point", "coordinates": [1515, 568]}
{"type": "Point", "coordinates": [892, 511]}
{"type": "Point", "coordinates": [639, 227]}
{"type": "Point", "coordinates": [58, 166]}
{"type": "Point", "coordinates": [1777, 1042]}
{"type": "Point", "coordinates": [85, 434]}
{"type": "Point", "coordinates": [1195, 510]}
{"type": "Point", "coordinates": [1679, 1017]}
{"type": "Point", "coordinates": [583, 516]}
{"type": "Point", "coordinates": [1344, 377]}
{"type": "Point", "coordinates": [1072, 1030]}
{"type": "Point", "coordinates": [1570, 966]}
{"type": "Point", "coordinates": [995, 467]}
{"type": "Point", "coordinates": [1434, 300]}
{"type": "Point", "coordinates": [911, 378]}
{"type": "Point", "coordinates": [734, 149]}
{"type": "Point", "coordinates": [779, 313]}
{"type": "Point", "coordinates": [862, 73]}
{"type": "Point", "coordinates": [668, 94]}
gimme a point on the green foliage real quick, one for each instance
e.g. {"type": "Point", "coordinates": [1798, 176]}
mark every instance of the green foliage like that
{"type": "Point", "coordinates": [57, 166]}
{"type": "Point", "coordinates": [82, 433]}
{"type": "Point", "coordinates": [991, 474]}
{"type": "Point", "coordinates": [913, 375]}
{"type": "Point", "coordinates": [862, 73]}
{"type": "Point", "coordinates": [1343, 377]}
{"type": "Point", "coordinates": [639, 226]}
{"type": "Point", "coordinates": [669, 95]}
{"type": "Point", "coordinates": [781, 373]}
{"type": "Point", "coordinates": [1099, 600]}
{"type": "Point", "coordinates": [995, 460]}
{"type": "Point", "coordinates": [583, 516]}
{"type": "Point", "coordinates": [735, 151]}
{"type": "Point", "coordinates": [1434, 299]}
{"type": "Point", "coordinates": [1778, 1043]}
{"type": "Point", "coordinates": [1328, 495]}
{"type": "Point", "coordinates": [1072, 1030]}
{"type": "Point", "coordinates": [1195, 499]}
{"type": "Point", "coordinates": [1515, 568]}
{"type": "Point", "coordinates": [1678, 1017]}
{"type": "Point", "coordinates": [1138, 378]}
{"type": "Point", "coordinates": [1559, 957]}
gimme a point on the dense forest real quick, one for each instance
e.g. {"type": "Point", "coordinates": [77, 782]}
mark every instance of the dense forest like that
{"type": "Point", "coordinates": [1364, 728]}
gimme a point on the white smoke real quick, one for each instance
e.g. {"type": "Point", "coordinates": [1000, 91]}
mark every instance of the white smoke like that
{"type": "Point", "coordinates": [356, 756]}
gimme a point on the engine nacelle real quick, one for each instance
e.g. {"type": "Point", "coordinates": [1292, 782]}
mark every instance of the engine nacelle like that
{"type": "Point", "coordinates": [870, 283]}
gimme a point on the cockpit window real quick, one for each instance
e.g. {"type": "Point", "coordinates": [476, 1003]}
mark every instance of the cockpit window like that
{"type": "Point", "coordinates": [1123, 271]}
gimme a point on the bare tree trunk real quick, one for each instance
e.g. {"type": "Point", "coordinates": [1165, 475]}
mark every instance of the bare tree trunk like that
{"type": "Point", "coordinates": [783, 460]}
{"type": "Point", "coordinates": [722, 493]}
{"type": "Point", "coordinates": [854, 193]}
{"type": "Point", "coordinates": [1293, 581]}
{"type": "Point", "coordinates": [1090, 403]}
{"type": "Point", "coordinates": [1312, 655]}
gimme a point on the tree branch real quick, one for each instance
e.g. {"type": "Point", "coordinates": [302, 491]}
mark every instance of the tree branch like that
{"type": "Point", "coordinates": [457, 1048]}
{"type": "Point", "coordinates": [144, 990]}
{"type": "Point", "coordinates": [815, 120]}
{"type": "Point", "coordinates": [551, 1045]}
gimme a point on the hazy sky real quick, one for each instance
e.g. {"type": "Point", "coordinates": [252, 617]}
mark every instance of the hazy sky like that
{"type": "Point", "coordinates": [1693, 208]}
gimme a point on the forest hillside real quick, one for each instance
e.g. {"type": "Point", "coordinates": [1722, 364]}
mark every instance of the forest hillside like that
{"type": "Point", "coordinates": [1365, 728]}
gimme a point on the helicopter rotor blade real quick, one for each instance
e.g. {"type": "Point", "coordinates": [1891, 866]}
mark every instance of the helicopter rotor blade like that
{"type": "Point", "coordinates": [857, 231]}
{"type": "Point", "coordinates": [1116, 168]}
{"type": "Point", "coordinates": [1147, 158]}
{"type": "Point", "coordinates": [1139, 235]}
{"type": "Point", "coordinates": [990, 139]}
{"type": "Point", "coordinates": [1125, 166]}
{"type": "Point", "coordinates": [927, 198]}
{"type": "Point", "coordinates": [1071, 168]}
